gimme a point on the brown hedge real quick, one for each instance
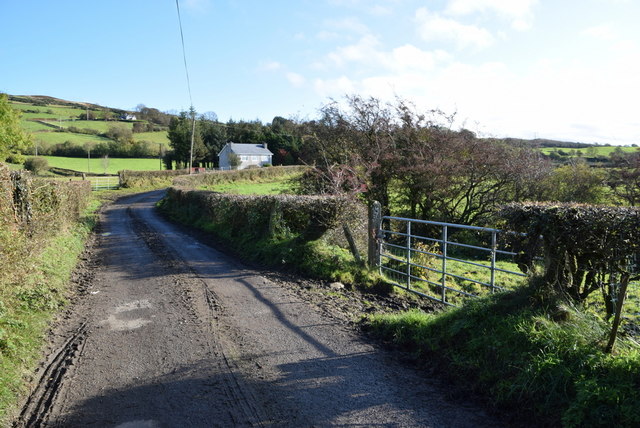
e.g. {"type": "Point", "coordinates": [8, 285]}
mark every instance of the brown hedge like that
{"type": "Point", "coordinates": [585, 247]}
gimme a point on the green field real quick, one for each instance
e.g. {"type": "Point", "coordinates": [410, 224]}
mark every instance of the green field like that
{"type": "Point", "coordinates": [33, 126]}
{"type": "Point", "coordinates": [96, 165]}
{"type": "Point", "coordinates": [252, 188]}
{"type": "Point", "coordinates": [60, 137]}
{"type": "Point", "coordinates": [590, 151]}
{"type": "Point", "coordinates": [153, 137]}
{"type": "Point", "coordinates": [49, 112]}
{"type": "Point", "coordinates": [98, 125]}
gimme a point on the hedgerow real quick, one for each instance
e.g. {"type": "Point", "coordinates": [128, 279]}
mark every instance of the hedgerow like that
{"type": "Point", "coordinates": [288, 230]}
{"type": "Point", "coordinates": [250, 174]}
{"type": "Point", "coordinates": [130, 179]}
{"type": "Point", "coordinates": [585, 247]}
{"type": "Point", "coordinates": [40, 239]}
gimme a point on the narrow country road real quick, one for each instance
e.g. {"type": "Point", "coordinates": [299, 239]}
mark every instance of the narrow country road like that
{"type": "Point", "coordinates": [172, 333]}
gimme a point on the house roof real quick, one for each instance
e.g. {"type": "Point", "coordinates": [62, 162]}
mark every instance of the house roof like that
{"type": "Point", "coordinates": [248, 149]}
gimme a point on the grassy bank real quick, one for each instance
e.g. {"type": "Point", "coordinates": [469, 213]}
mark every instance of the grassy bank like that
{"type": "Point", "coordinates": [530, 355]}
{"type": "Point", "coordinates": [27, 308]}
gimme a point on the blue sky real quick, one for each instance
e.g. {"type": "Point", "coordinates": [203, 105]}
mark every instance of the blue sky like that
{"type": "Point", "coordinates": [564, 69]}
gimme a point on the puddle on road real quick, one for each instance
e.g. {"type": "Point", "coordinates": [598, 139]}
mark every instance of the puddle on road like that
{"type": "Point", "coordinates": [124, 317]}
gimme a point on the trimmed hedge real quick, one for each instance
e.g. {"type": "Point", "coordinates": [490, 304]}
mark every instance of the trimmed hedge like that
{"type": "Point", "coordinates": [250, 174]}
{"type": "Point", "coordinates": [585, 247]}
{"type": "Point", "coordinates": [129, 179]}
{"type": "Point", "coordinates": [258, 217]}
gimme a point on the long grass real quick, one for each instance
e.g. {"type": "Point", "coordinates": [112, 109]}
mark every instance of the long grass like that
{"type": "Point", "coordinates": [529, 353]}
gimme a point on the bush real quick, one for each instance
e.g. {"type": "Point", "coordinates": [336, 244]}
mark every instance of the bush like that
{"type": "Point", "coordinates": [37, 165]}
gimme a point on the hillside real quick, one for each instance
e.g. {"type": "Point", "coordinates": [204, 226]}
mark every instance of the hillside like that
{"type": "Point", "coordinates": [71, 128]}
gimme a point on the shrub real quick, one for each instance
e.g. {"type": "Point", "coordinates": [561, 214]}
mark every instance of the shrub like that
{"type": "Point", "coordinates": [37, 165]}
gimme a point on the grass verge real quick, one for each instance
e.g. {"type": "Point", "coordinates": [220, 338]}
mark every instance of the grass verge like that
{"type": "Point", "coordinates": [27, 308]}
{"type": "Point", "coordinates": [535, 357]}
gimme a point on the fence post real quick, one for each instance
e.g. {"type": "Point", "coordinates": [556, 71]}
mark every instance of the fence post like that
{"type": "Point", "coordinates": [375, 224]}
{"type": "Point", "coordinates": [445, 238]}
{"type": "Point", "coordinates": [409, 255]}
{"type": "Point", "coordinates": [494, 243]}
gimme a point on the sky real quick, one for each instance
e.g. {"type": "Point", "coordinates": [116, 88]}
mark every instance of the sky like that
{"type": "Point", "coordinates": [559, 69]}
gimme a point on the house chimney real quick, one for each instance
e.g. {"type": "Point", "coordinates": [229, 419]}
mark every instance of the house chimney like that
{"type": "Point", "coordinates": [264, 145]}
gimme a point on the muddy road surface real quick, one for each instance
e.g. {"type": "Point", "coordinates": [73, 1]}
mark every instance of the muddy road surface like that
{"type": "Point", "coordinates": [172, 333]}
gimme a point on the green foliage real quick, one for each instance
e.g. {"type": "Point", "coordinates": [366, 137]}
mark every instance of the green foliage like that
{"type": "Point", "coordinates": [12, 138]}
{"type": "Point", "coordinates": [576, 182]}
{"type": "Point", "coordinates": [585, 247]}
{"type": "Point", "coordinates": [37, 165]}
{"type": "Point", "coordinates": [509, 348]}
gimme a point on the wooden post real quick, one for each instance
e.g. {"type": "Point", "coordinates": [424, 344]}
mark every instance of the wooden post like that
{"type": "Point", "coordinates": [622, 292]}
{"type": "Point", "coordinates": [352, 243]}
{"type": "Point", "coordinates": [375, 224]}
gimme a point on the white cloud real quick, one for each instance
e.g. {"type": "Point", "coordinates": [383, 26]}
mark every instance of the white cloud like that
{"type": "Point", "coordinates": [271, 66]}
{"type": "Point", "coordinates": [602, 32]}
{"type": "Point", "coordinates": [334, 87]}
{"type": "Point", "coordinates": [519, 12]}
{"type": "Point", "coordinates": [434, 27]}
{"type": "Point", "coordinates": [365, 50]}
{"type": "Point", "coordinates": [295, 79]}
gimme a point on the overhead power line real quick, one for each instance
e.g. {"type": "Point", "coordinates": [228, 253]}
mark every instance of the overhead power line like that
{"type": "Point", "coordinates": [186, 70]}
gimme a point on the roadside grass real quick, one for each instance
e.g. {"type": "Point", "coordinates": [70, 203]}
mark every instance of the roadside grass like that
{"type": "Point", "coordinates": [530, 354]}
{"type": "Point", "coordinates": [27, 308]}
{"type": "Point", "coordinates": [95, 165]}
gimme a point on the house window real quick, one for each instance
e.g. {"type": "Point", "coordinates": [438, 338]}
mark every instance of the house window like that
{"type": "Point", "coordinates": [254, 158]}
{"type": "Point", "coordinates": [244, 158]}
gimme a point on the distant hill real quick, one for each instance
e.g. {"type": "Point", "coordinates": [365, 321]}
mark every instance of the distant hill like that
{"type": "Point", "coordinates": [71, 128]}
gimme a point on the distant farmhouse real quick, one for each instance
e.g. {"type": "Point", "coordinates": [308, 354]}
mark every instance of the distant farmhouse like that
{"type": "Point", "coordinates": [249, 154]}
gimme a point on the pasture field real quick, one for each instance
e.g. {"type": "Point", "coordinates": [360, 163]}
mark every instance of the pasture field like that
{"type": "Point", "coordinates": [252, 188]}
{"type": "Point", "coordinates": [153, 137]}
{"type": "Point", "coordinates": [60, 137]}
{"type": "Point", "coordinates": [95, 165]}
{"type": "Point", "coordinates": [597, 150]}
{"type": "Point", "coordinates": [34, 127]}
{"type": "Point", "coordinates": [98, 125]}
{"type": "Point", "coordinates": [50, 111]}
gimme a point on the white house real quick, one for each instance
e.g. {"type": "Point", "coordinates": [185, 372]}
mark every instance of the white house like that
{"type": "Point", "coordinates": [249, 154]}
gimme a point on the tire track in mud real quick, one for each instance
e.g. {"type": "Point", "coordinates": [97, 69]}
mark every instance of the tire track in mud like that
{"type": "Point", "coordinates": [39, 404]}
{"type": "Point", "coordinates": [235, 388]}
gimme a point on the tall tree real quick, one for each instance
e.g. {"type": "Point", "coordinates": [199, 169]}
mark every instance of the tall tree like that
{"type": "Point", "coordinates": [12, 138]}
{"type": "Point", "coordinates": [179, 135]}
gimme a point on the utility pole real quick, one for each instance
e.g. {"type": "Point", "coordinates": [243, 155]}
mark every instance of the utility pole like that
{"type": "Point", "coordinates": [160, 154]}
{"type": "Point", "coordinates": [193, 131]}
{"type": "Point", "coordinates": [88, 159]}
